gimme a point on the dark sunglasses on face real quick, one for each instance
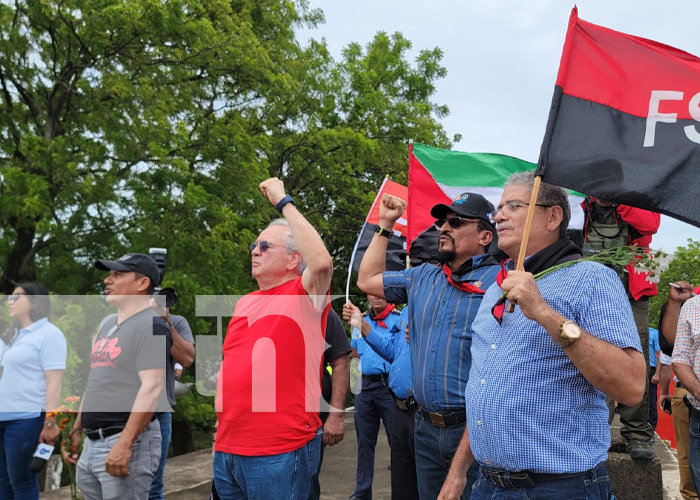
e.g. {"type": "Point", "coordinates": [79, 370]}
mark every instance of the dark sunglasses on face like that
{"type": "Point", "coordinates": [454, 222]}
{"type": "Point", "coordinates": [264, 245]}
{"type": "Point", "coordinates": [13, 297]}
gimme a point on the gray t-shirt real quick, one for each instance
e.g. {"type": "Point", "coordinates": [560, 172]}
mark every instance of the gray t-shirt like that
{"type": "Point", "coordinates": [183, 328]}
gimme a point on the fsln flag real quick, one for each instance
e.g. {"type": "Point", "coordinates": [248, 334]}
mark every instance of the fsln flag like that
{"type": "Point", "coordinates": [440, 175]}
{"type": "Point", "coordinates": [397, 243]}
{"type": "Point", "coordinates": [623, 125]}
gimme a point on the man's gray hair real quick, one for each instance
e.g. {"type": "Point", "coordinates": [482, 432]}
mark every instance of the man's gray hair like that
{"type": "Point", "coordinates": [549, 194]}
{"type": "Point", "coordinates": [289, 244]}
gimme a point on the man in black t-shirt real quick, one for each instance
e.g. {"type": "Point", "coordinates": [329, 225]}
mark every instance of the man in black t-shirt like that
{"type": "Point", "coordinates": [334, 389]}
{"type": "Point", "coordinates": [125, 385]}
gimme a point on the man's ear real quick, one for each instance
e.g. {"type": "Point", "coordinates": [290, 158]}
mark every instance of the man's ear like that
{"type": "Point", "coordinates": [485, 237]}
{"type": "Point", "coordinates": [143, 284]}
{"type": "Point", "coordinates": [556, 215]}
{"type": "Point", "coordinates": [295, 259]}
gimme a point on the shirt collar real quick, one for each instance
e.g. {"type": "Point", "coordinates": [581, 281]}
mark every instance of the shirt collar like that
{"type": "Point", "coordinates": [34, 326]}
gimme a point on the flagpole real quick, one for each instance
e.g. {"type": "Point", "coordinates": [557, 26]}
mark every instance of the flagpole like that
{"type": "Point", "coordinates": [520, 264]}
{"type": "Point", "coordinates": [357, 243]}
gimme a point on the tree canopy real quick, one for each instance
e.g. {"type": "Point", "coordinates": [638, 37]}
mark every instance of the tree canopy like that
{"type": "Point", "coordinates": [129, 124]}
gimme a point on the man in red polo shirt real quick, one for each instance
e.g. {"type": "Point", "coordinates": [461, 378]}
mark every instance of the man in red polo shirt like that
{"type": "Point", "coordinates": [269, 436]}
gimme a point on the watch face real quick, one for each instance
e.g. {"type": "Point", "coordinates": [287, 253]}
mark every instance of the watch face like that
{"type": "Point", "coordinates": [571, 330]}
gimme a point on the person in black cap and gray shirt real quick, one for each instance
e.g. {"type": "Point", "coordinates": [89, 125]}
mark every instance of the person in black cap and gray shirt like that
{"type": "Point", "coordinates": [443, 302]}
{"type": "Point", "coordinates": [124, 387]}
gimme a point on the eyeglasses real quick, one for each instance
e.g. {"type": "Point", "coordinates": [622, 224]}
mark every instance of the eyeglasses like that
{"type": "Point", "coordinates": [14, 297]}
{"type": "Point", "coordinates": [264, 245]}
{"type": "Point", "coordinates": [509, 207]}
{"type": "Point", "coordinates": [454, 222]}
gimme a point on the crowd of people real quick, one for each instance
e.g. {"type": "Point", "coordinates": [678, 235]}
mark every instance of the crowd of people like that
{"type": "Point", "coordinates": [458, 376]}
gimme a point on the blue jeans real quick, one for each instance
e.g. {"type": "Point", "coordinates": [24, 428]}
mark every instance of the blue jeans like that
{"type": "Point", "coordinates": [165, 419]}
{"type": "Point", "coordinates": [373, 403]}
{"type": "Point", "coordinates": [18, 440]}
{"type": "Point", "coordinates": [283, 476]}
{"type": "Point", "coordinates": [435, 447]}
{"type": "Point", "coordinates": [694, 452]}
{"type": "Point", "coordinates": [594, 486]}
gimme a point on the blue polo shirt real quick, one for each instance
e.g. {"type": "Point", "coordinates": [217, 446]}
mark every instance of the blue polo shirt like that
{"type": "Point", "coordinates": [440, 335]}
{"type": "Point", "coordinates": [371, 363]}
{"type": "Point", "coordinates": [395, 351]}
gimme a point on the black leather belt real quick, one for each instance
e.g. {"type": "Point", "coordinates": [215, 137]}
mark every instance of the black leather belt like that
{"type": "Point", "coordinates": [94, 434]}
{"type": "Point", "coordinates": [444, 418]}
{"type": "Point", "coordinates": [525, 479]}
{"type": "Point", "coordinates": [376, 378]}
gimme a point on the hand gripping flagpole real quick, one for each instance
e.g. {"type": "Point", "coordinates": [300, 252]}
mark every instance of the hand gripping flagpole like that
{"type": "Point", "coordinates": [520, 264]}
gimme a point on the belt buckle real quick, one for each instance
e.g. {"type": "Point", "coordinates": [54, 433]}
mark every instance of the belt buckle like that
{"type": "Point", "coordinates": [437, 420]}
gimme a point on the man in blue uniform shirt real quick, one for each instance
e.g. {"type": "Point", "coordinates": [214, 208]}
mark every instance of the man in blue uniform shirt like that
{"type": "Point", "coordinates": [443, 301]}
{"type": "Point", "coordinates": [374, 401]}
{"type": "Point", "coordinates": [572, 335]}
{"type": "Point", "coordinates": [395, 350]}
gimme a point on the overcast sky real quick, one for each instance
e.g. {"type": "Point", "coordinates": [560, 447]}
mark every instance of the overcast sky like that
{"type": "Point", "coordinates": [502, 59]}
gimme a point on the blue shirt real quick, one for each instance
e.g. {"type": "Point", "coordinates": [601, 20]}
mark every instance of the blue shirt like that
{"type": "Point", "coordinates": [39, 347]}
{"type": "Point", "coordinates": [440, 316]}
{"type": "Point", "coordinates": [529, 407]}
{"type": "Point", "coordinates": [654, 346]}
{"type": "Point", "coordinates": [395, 351]}
{"type": "Point", "coordinates": [371, 363]}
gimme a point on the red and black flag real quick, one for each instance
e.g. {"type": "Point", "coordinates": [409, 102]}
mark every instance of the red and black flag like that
{"type": "Point", "coordinates": [624, 124]}
{"type": "Point", "coordinates": [397, 243]}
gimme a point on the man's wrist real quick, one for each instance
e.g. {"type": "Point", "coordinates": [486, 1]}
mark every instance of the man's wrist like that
{"type": "Point", "coordinates": [387, 224]}
{"type": "Point", "coordinates": [283, 202]}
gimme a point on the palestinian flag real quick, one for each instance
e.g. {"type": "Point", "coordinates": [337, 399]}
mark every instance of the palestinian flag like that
{"type": "Point", "coordinates": [623, 125]}
{"type": "Point", "coordinates": [440, 175]}
{"type": "Point", "coordinates": [397, 243]}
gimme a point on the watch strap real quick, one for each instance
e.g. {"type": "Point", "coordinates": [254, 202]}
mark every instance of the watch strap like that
{"type": "Point", "coordinates": [287, 199]}
{"type": "Point", "coordinates": [383, 232]}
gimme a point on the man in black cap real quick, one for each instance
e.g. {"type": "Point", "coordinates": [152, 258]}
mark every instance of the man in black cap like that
{"type": "Point", "coordinates": [124, 387]}
{"type": "Point", "coordinates": [444, 300]}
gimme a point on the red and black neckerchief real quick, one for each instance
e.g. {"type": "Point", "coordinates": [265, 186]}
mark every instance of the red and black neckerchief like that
{"type": "Point", "coordinates": [468, 266]}
{"type": "Point", "coordinates": [563, 250]}
{"type": "Point", "coordinates": [379, 318]}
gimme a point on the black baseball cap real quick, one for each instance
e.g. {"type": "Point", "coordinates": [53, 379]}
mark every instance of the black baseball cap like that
{"type": "Point", "coordinates": [467, 205]}
{"type": "Point", "coordinates": [138, 262]}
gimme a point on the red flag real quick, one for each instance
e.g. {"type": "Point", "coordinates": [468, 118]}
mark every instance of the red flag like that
{"type": "Point", "coordinates": [623, 124]}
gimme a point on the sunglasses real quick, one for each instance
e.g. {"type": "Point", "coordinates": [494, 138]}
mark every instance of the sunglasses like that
{"type": "Point", "coordinates": [264, 245]}
{"type": "Point", "coordinates": [14, 297]}
{"type": "Point", "coordinates": [454, 222]}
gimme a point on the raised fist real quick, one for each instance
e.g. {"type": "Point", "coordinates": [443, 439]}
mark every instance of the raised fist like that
{"type": "Point", "coordinates": [390, 209]}
{"type": "Point", "coordinates": [273, 189]}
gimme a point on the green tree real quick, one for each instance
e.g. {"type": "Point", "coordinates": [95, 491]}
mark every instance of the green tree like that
{"type": "Point", "coordinates": [684, 266]}
{"type": "Point", "coordinates": [115, 111]}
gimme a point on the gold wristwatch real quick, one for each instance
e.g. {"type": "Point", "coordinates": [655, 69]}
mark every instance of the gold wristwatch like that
{"type": "Point", "coordinates": [569, 332]}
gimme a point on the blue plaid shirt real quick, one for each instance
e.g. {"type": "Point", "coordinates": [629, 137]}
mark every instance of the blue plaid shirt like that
{"type": "Point", "coordinates": [440, 317]}
{"type": "Point", "coordinates": [395, 351]}
{"type": "Point", "coordinates": [529, 408]}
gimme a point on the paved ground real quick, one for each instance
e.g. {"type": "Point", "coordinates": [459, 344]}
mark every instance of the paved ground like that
{"type": "Point", "coordinates": [188, 477]}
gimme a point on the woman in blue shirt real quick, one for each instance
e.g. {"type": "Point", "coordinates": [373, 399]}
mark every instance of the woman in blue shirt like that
{"type": "Point", "coordinates": [32, 360]}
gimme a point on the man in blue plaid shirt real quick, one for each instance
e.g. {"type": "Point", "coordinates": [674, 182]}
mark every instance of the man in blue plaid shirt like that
{"type": "Point", "coordinates": [537, 422]}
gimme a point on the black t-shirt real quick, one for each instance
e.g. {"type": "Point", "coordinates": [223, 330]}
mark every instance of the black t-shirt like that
{"type": "Point", "coordinates": [338, 346]}
{"type": "Point", "coordinates": [118, 354]}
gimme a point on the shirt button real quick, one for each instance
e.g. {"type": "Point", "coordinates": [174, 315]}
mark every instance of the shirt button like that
{"type": "Point", "coordinates": [438, 323]}
{"type": "Point", "coordinates": [483, 381]}
{"type": "Point", "coordinates": [478, 422]}
{"type": "Point", "coordinates": [433, 349]}
{"type": "Point", "coordinates": [493, 346]}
